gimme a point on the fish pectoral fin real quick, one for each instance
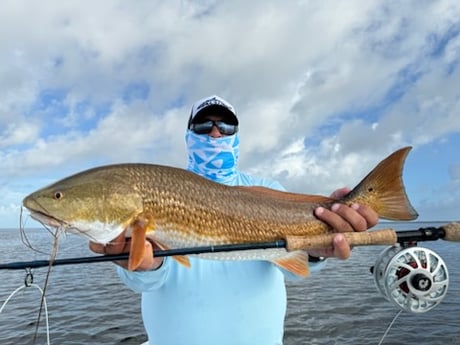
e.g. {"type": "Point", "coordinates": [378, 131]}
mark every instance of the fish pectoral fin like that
{"type": "Point", "coordinates": [137, 250]}
{"type": "Point", "coordinates": [295, 262]}
{"type": "Point", "coordinates": [182, 259]}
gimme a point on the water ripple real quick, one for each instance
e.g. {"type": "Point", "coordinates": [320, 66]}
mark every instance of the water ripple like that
{"type": "Point", "coordinates": [341, 305]}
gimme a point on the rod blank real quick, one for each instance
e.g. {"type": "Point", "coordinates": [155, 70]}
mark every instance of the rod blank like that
{"type": "Point", "coordinates": [449, 232]}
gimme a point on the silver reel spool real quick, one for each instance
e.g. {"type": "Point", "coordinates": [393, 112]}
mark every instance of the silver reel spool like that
{"type": "Point", "coordinates": [414, 278]}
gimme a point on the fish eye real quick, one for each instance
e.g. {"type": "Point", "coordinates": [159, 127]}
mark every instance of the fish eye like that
{"type": "Point", "coordinates": [58, 195]}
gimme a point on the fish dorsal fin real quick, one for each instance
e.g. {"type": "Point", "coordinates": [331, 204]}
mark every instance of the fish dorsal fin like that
{"type": "Point", "coordinates": [182, 259]}
{"type": "Point", "coordinates": [295, 262]}
{"type": "Point", "coordinates": [277, 194]}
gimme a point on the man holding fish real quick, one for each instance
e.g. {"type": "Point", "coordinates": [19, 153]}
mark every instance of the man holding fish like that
{"type": "Point", "coordinates": [223, 301]}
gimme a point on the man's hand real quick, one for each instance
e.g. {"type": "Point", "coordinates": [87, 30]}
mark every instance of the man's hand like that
{"type": "Point", "coordinates": [121, 244]}
{"type": "Point", "coordinates": [344, 218]}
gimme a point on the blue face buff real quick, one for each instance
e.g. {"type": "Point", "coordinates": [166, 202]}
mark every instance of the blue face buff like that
{"type": "Point", "coordinates": [213, 158]}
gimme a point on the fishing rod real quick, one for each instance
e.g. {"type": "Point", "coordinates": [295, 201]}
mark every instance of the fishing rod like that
{"type": "Point", "coordinates": [415, 279]}
{"type": "Point", "coordinates": [449, 232]}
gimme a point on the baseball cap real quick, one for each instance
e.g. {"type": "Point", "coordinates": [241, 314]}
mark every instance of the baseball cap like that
{"type": "Point", "coordinates": [212, 105]}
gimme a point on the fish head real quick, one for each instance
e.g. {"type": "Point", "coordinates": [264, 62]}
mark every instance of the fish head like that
{"type": "Point", "coordinates": [98, 204]}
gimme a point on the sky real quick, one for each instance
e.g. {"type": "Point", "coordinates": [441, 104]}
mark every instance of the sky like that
{"type": "Point", "coordinates": [324, 90]}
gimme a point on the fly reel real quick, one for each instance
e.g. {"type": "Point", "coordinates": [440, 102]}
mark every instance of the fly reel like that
{"type": "Point", "coordinates": [413, 278]}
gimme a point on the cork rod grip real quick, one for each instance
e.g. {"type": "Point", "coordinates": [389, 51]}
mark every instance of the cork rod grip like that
{"type": "Point", "coordinates": [377, 237]}
{"type": "Point", "coordinates": [452, 232]}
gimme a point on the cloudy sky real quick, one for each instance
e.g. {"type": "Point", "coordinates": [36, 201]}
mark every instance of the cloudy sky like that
{"type": "Point", "coordinates": [324, 89]}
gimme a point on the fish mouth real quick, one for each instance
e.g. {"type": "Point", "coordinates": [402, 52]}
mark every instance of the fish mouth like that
{"type": "Point", "coordinates": [39, 213]}
{"type": "Point", "coordinates": [47, 220]}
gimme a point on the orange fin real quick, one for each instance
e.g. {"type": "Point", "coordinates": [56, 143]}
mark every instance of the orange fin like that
{"type": "Point", "coordinates": [182, 259]}
{"type": "Point", "coordinates": [277, 194]}
{"type": "Point", "coordinates": [295, 262]}
{"type": "Point", "coordinates": [136, 253]}
{"type": "Point", "coordinates": [383, 189]}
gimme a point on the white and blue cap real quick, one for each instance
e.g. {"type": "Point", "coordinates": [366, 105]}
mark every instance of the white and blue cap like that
{"type": "Point", "coordinates": [213, 105]}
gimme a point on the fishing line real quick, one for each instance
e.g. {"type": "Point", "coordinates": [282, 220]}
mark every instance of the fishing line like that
{"type": "Point", "coordinates": [389, 327]}
{"type": "Point", "coordinates": [28, 283]}
{"type": "Point", "coordinates": [22, 231]}
{"type": "Point", "coordinates": [43, 300]}
{"type": "Point", "coordinates": [24, 238]}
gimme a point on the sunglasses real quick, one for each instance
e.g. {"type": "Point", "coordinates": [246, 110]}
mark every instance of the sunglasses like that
{"type": "Point", "coordinates": [206, 127]}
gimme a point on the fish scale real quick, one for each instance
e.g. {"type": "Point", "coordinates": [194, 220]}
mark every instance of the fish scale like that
{"type": "Point", "coordinates": [174, 207]}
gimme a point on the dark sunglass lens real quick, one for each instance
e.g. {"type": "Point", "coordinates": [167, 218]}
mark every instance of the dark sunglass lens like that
{"type": "Point", "coordinates": [202, 128]}
{"type": "Point", "coordinates": [226, 128]}
{"type": "Point", "coordinates": [206, 127]}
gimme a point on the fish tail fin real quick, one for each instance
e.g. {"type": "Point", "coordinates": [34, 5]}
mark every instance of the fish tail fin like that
{"type": "Point", "coordinates": [383, 189]}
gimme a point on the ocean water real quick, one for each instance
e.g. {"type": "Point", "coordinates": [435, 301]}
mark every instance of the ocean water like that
{"type": "Point", "coordinates": [87, 304]}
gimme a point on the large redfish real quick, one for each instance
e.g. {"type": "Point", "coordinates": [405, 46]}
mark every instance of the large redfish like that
{"type": "Point", "coordinates": [176, 208]}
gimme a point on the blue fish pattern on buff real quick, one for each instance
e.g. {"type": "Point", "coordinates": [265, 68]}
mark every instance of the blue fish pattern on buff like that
{"type": "Point", "coordinates": [213, 158]}
{"type": "Point", "coordinates": [214, 302]}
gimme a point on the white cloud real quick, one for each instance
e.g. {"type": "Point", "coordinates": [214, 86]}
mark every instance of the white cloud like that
{"type": "Point", "coordinates": [17, 134]}
{"type": "Point", "coordinates": [323, 89]}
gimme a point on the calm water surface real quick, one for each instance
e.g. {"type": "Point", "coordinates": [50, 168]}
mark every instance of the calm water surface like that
{"type": "Point", "coordinates": [87, 304]}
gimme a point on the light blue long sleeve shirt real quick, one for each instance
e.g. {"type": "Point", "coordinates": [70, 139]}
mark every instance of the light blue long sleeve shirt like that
{"type": "Point", "coordinates": [214, 302]}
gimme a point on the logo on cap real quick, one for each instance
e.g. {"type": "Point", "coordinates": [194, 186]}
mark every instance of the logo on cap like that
{"type": "Point", "coordinates": [211, 101]}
